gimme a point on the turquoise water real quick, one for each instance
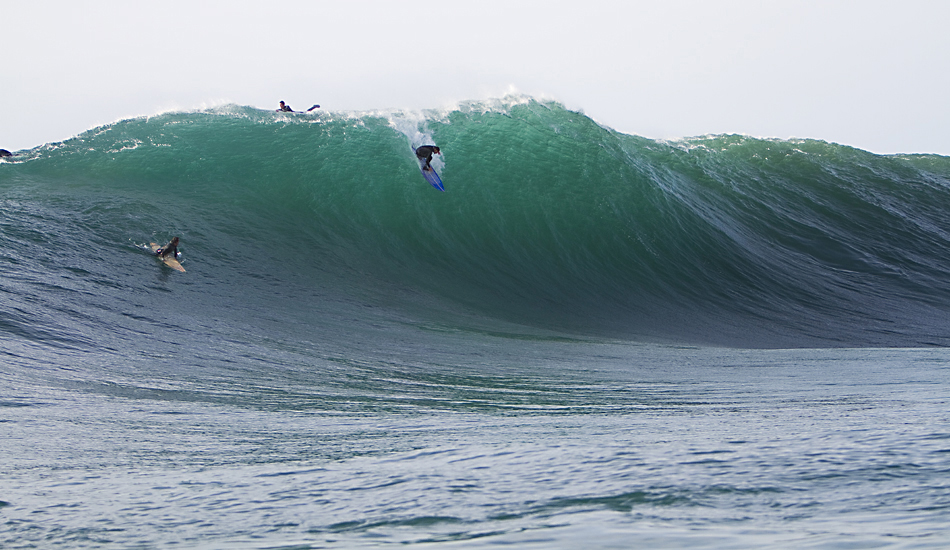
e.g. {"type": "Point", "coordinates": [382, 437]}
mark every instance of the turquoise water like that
{"type": "Point", "coordinates": [590, 340]}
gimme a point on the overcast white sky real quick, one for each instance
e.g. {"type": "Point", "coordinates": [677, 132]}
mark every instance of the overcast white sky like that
{"type": "Point", "coordinates": [866, 73]}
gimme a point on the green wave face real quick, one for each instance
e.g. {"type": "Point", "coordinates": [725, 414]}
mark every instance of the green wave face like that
{"type": "Point", "coordinates": [548, 220]}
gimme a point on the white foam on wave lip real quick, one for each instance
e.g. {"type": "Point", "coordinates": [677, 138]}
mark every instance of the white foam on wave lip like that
{"type": "Point", "coordinates": [414, 124]}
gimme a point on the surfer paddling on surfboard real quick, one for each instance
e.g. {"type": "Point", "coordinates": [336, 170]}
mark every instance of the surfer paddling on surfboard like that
{"type": "Point", "coordinates": [168, 254]}
{"type": "Point", "coordinates": [286, 108]}
{"type": "Point", "coordinates": [170, 250]}
{"type": "Point", "coordinates": [425, 153]}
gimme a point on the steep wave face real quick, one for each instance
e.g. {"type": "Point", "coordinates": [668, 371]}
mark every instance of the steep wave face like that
{"type": "Point", "coordinates": [549, 222]}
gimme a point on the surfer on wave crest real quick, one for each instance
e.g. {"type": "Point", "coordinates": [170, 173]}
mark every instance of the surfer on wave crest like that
{"type": "Point", "coordinates": [425, 153]}
{"type": "Point", "coordinates": [286, 108]}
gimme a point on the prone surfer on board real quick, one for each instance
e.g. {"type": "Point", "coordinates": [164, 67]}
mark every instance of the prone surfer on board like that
{"type": "Point", "coordinates": [425, 153]}
{"type": "Point", "coordinates": [286, 108]}
{"type": "Point", "coordinates": [170, 249]}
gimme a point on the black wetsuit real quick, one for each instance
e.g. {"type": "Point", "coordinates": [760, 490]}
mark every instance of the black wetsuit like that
{"type": "Point", "coordinates": [286, 109]}
{"type": "Point", "coordinates": [5, 153]}
{"type": "Point", "coordinates": [425, 152]}
{"type": "Point", "coordinates": [170, 249]}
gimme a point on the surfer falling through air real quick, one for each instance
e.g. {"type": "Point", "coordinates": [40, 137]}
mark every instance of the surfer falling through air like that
{"type": "Point", "coordinates": [425, 153]}
{"type": "Point", "coordinates": [424, 156]}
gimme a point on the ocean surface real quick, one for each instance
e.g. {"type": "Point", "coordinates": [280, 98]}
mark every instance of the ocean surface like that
{"type": "Point", "coordinates": [591, 340]}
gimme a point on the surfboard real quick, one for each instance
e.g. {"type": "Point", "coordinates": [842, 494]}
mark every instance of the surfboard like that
{"type": "Point", "coordinates": [170, 262]}
{"type": "Point", "coordinates": [432, 177]}
{"type": "Point", "coordinates": [309, 111]}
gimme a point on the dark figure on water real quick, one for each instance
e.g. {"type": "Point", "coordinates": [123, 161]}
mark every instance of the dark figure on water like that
{"type": "Point", "coordinates": [170, 249]}
{"type": "Point", "coordinates": [286, 108]}
{"type": "Point", "coordinates": [5, 153]}
{"type": "Point", "coordinates": [425, 153]}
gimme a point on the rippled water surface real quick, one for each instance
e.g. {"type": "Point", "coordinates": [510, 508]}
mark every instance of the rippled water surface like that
{"type": "Point", "coordinates": [662, 446]}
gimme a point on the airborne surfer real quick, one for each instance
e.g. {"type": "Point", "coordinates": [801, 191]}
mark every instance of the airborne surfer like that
{"type": "Point", "coordinates": [425, 153]}
{"type": "Point", "coordinates": [170, 249]}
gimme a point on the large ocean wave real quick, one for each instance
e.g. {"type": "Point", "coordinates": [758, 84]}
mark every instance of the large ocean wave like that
{"type": "Point", "coordinates": [550, 222]}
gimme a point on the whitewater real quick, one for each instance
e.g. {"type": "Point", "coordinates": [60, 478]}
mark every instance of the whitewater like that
{"type": "Point", "coordinates": [590, 340]}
